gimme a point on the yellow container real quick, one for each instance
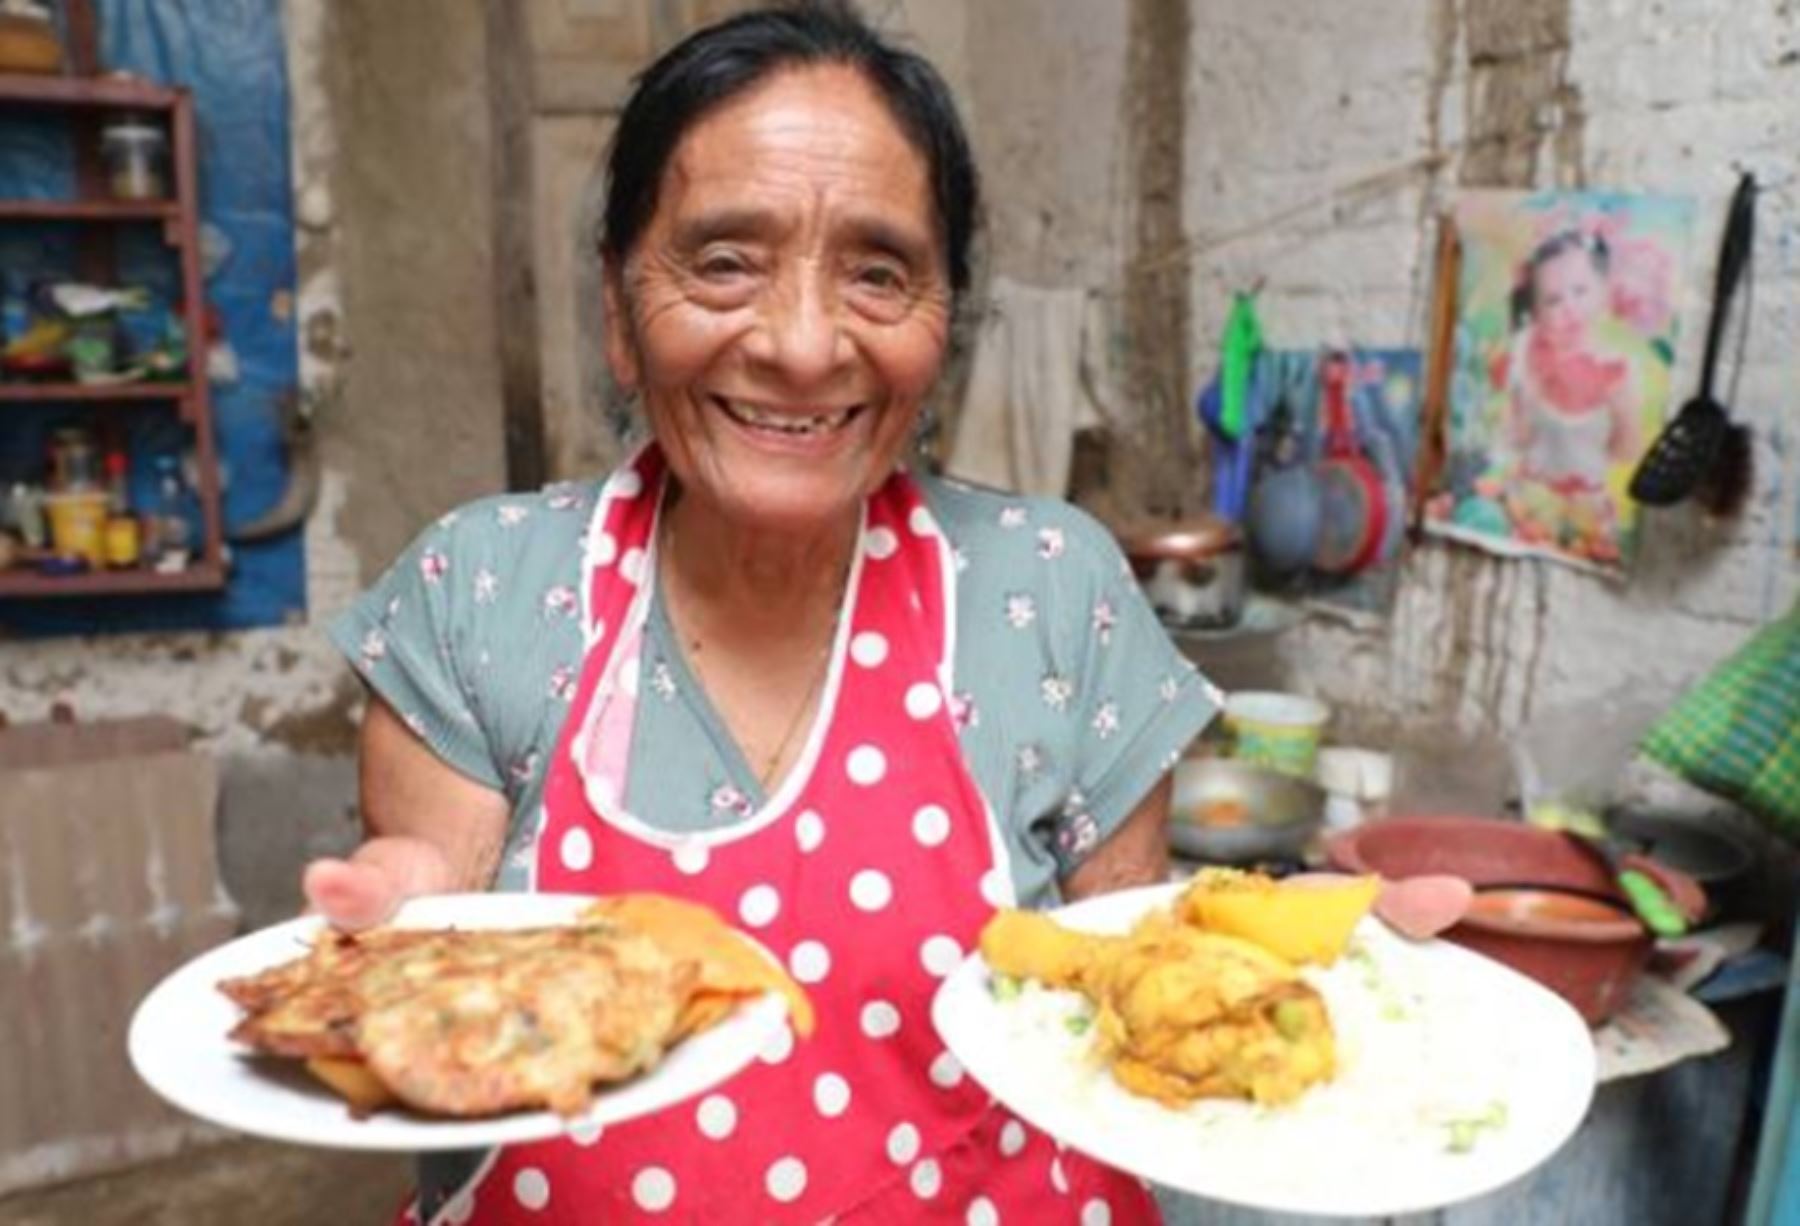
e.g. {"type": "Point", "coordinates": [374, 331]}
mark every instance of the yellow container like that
{"type": "Point", "coordinates": [124, 541]}
{"type": "Point", "coordinates": [78, 525]}
{"type": "Point", "coordinates": [1280, 731]}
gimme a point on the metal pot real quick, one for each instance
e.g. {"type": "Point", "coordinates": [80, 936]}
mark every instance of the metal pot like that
{"type": "Point", "coordinates": [1192, 571]}
{"type": "Point", "coordinates": [1228, 812]}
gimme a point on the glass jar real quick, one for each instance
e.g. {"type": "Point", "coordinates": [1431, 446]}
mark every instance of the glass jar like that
{"type": "Point", "coordinates": [136, 158]}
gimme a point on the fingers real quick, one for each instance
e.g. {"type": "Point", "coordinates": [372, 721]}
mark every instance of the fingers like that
{"type": "Point", "coordinates": [351, 895]}
{"type": "Point", "coordinates": [369, 887]}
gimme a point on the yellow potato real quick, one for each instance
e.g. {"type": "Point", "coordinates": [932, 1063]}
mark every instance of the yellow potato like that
{"type": "Point", "coordinates": [352, 1081]}
{"type": "Point", "coordinates": [1301, 921]}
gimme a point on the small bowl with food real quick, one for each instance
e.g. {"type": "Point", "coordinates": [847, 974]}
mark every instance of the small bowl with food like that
{"type": "Point", "coordinates": [1225, 811]}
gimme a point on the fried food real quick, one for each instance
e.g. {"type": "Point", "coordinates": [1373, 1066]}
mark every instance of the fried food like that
{"type": "Point", "coordinates": [478, 1022]}
{"type": "Point", "coordinates": [1306, 919]}
{"type": "Point", "coordinates": [1180, 1013]}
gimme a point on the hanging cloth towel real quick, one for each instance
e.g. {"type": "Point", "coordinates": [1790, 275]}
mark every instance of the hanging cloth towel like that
{"type": "Point", "coordinates": [1036, 377]}
{"type": "Point", "coordinates": [1737, 733]}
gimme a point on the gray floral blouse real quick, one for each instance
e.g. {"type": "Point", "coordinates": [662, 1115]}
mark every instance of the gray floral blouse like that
{"type": "Point", "coordinates": [1074, 702]}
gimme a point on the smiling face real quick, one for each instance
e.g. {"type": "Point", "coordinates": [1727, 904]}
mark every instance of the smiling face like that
{"type": "Point", "coordinates": [1567, 294]}
{"type": "Point", "coordinates": [786, 310]}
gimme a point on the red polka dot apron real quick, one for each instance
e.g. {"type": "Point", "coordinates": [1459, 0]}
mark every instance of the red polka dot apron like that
{"type": "Point", "coordinates": [869, 872]}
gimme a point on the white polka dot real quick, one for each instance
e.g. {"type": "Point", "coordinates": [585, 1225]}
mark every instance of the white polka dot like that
{"type": "Point", "coordinates": [866, 765]}
{"type": "Point", "coordinates": [870, 890]}
{"type": "Point", "coordinates": [531, 1188]}
{"type": "Point", "coordinates": [628, 484]}
{"type": "Point", "coordinates": [716, 1116]}
{"type": "Point", "coordinates": [691, 857]}
{"type": "Point", "coordinates": [940, 954]}
{"type": "Point", "coordinates": [869, 649]}
{"type": "Point", "coordinates": [576, 849]}
{"type": "Point", "coordinates": [880, 1020]}
{"type": "Point", "coordinates": [880, 543]}
{"type": "Point", "coordinates": [631, 566]}
{"type": "Point", "coordinates": [809, 831]}
{"type": "Point", "coordinates": [926, 1179]}
{"type": "Point", "coordinates": [629, 674]}
{"type": "Point", "coordinates": [902, 1144]}
{"type": "Point", "coordinates": [1012, 1138]}
{"type": "Point", "coordinates": [460, 1208]}
{"type": "Point", "coordinates": [931, 825]}
{"type": "Point", "coordinates": [982, 1213]}
{"type": "Point", "coordinates": [946, 1071]}
{"type": "Point", "coordinates": [831, 1095]}
{"type": "Point", "coordinates": [1058, 1179]}
{"type": "Point", "coordinates": [921, 522]}
{"type": "Point", "coordinates": [1096, 1213]}
{"type": "Point", "coordinates": [996, 888]}
{"type": "Point", "coordinates": [586, 1133]}
{"type": "Point", "coordinates": [786, 1179]}
{"type": "Point", "coordinates": [759, 906]}
{"type": "Point", "coordinates": [606, 549]}
{"type": "Point", "coordinates": [780, 1045]}
{"type": "Point", "coordinates": [810, 962]}
{"type": "Point", "coordinates": [924, 700]}
{"type": "Point", "coordinates": [653, 1188]}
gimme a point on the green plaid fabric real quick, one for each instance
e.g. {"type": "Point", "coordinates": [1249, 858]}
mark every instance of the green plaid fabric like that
{"type": "Point", "coordinates": [1737, 733]}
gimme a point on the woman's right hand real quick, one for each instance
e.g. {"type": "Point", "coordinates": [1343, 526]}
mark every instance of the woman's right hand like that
{"type": "Point", "coordinates": [431, 830]}
{"type": "Point", "coordinates": [368, 887]}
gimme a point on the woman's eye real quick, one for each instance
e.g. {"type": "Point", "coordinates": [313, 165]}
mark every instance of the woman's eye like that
{"type": "Point", "coordinates": [883, 278]}
{"type": "Point", "coordinates": [722, 265]}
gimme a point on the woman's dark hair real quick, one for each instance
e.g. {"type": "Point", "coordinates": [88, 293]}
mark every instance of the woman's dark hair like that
{"type": "Point", "coordinates": [723, 60]}
{"type": "Point", "coordinates": [1524, 294]}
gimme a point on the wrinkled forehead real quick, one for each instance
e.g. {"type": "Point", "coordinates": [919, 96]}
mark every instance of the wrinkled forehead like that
{"type": "Point", "coordinates": [802, 137]}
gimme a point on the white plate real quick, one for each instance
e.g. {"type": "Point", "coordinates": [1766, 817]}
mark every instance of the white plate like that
{"type": "Point", "coordinates": [179, 1047]}
{"type": "Point", "coordinates": [1425, 1033]}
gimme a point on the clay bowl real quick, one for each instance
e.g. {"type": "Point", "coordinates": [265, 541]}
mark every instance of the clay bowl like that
{"type": "Point", "coordinates": [1545, 905]}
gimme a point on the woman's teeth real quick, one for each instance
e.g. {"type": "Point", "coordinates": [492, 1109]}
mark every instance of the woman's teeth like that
{"type": "Point", "coordinates": [786, 423]}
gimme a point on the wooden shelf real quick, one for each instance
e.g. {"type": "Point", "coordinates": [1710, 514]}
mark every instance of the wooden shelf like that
{"type": "Point", "coordinates": [89, 210]}
{"type": "Point", "coordinates": [86, 91]}
{"type": "Point", "coordinates": [87, 392]}
{"type": "Point", "coordinates": [197, 578]}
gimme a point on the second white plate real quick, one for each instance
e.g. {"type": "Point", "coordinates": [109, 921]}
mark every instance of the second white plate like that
{"type": "Point", "coordinates": [1426, 1034]}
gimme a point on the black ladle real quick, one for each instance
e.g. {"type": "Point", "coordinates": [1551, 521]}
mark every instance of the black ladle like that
{"type": "Point", "coordinates": [1692, 445]}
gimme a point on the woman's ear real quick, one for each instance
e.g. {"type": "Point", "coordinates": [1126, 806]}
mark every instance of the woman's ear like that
{"type": "Point", "coordinates": [621, 347]}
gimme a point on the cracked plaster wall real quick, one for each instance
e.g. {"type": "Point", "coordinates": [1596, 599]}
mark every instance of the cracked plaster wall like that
{"type": "Point", "coordinates": [1322, 138]}
{"type": "Point", "coordinates": [397, 368]}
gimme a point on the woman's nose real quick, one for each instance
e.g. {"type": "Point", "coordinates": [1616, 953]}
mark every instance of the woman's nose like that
{"type": "Point", "coordinates": [799, 332]}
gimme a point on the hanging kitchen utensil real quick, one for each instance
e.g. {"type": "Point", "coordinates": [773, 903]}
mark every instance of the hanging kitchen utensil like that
{"type": "Point", "coordinates": [1352, 503]}
{"type": "Point", "coordinates": [1702, 443]}
{"type": "Point", "coordinates": [1237, 363]}
{"type": "Point", "coordinates": [1283, 517]}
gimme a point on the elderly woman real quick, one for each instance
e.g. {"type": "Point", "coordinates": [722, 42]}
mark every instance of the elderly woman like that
{"type": "Point", "coordinates": [767, 666]}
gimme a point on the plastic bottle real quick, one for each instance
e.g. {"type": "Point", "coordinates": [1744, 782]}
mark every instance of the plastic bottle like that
{"type": "Point", "coordinates": [170, 528]}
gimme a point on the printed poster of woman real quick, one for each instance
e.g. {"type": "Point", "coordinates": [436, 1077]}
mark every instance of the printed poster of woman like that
{"type": "Point", "coordinates": [1565, 335]}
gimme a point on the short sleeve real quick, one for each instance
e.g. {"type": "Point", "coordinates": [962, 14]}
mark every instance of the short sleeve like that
{"type": "Point", "coordinates": [404, 637]}
{"type": "Point", "coordinates": [1138, 701]}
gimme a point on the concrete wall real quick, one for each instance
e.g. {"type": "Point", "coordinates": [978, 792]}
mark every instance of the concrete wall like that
{"type": "Point", "coordinates": [392, 195]}
{"type": "Point", "coordinates": [1321, 138]}
{"type": "Point", "coordinates": [1318, 141]}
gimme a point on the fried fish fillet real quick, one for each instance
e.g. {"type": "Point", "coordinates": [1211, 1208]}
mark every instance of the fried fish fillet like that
{"type": "Point", "coordinates": [539, 1027]}
{"type": "Point", "coordinates": [478, 1022]}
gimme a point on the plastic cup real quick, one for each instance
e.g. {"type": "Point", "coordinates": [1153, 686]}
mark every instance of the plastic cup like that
{"type": "Point", "coordinates": [1279, 731]}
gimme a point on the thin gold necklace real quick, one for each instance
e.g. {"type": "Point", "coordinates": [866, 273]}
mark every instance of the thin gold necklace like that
{"type": "Point", "coordinates": [765, 777]}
